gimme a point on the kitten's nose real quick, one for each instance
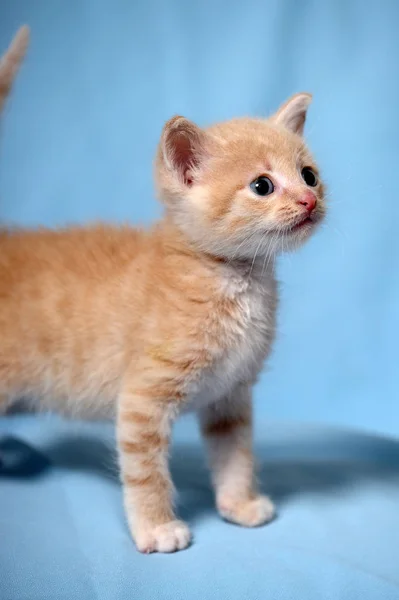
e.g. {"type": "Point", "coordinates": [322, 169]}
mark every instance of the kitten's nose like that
{"type": "Point", "coordinates": [308, 200]}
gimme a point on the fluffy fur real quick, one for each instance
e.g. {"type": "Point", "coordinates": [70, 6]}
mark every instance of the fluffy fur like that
{"type": "Point", "coordinates": [141, 325]}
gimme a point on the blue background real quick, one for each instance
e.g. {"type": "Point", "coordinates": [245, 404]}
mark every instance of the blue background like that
{"type": "Point", "coordinates": [77, 143]}
{"type": "Point", "coordinates": [79, 135]}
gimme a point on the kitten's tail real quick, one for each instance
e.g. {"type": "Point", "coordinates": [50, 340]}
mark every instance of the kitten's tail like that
{"type": "Point", "coordinates": [10, 62]}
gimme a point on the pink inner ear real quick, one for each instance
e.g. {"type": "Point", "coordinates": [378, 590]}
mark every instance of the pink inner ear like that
{"type": "Point", "coordinates": [184, 156]}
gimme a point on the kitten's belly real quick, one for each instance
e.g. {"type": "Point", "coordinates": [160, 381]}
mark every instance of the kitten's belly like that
{"type": "Point", "coordinates": [93, 403]}
{"type": "Point", "coordinates": [79, 391]}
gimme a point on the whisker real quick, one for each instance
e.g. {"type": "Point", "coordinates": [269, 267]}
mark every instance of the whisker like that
{"type": "Point", "coordinates": [244, 241]}
{"type": "Point", "coordinates": [254, 258]}
{"type": "Point", "coordinates": [268, 254]}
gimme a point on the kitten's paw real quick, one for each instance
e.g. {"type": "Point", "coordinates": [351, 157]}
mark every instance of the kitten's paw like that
{"type": "Point", "coordinates": [248, 513]}
{"type": "Point", "coordinates": [168, 537]}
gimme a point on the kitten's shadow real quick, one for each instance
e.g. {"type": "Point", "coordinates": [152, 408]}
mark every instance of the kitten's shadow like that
{"type": "Point", "coordinates": [321, 467]}
{"type": "Point", "coordinates": [328, 465]}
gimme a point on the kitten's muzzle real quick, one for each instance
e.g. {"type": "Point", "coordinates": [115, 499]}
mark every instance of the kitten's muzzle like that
{"type": "Point", "coordinates": [308, 200]}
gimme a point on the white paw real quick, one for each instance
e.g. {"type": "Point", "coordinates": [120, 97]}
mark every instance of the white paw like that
{"type": "Point", "coordinates": [168, 537]}
{"type": "Point", "coordinates": [248, 513]}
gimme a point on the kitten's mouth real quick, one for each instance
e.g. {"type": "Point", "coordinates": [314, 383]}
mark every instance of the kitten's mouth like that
{"type": "Point", "coordinates": [306, 222]}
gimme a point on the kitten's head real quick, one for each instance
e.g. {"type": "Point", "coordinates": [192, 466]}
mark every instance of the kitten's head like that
{"type": "Point", "coordinates": [242, 188]}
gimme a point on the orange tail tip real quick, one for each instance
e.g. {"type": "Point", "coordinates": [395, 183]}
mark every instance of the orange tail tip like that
{"type": "Point", "coordinates": [10, 62]}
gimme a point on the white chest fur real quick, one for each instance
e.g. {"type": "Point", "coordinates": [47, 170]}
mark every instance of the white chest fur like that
{"type": "Point", "coordinates": [250, 331]}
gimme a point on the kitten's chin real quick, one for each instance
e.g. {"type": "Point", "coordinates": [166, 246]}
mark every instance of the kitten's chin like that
{"type": "Point", "coordinates": [296, 236]}
{"type": "Point", "coordinates": [305, 223]}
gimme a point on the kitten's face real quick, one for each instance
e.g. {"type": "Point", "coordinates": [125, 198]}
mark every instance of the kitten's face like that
{"type": "Point", "coordinates": [244, 188]}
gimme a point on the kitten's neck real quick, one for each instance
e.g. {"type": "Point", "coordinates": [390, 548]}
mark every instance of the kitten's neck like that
{"type": "Point", "coordinates": [177, 242]}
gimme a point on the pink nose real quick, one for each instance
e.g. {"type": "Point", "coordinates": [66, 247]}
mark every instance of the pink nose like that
{"type": "Point", "coordinates": [308, 200]}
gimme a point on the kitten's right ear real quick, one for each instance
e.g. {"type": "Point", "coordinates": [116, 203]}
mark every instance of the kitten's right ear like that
{"type": "Point", "coordinates": [183, 148]}
{"type": "Point", "coordinates": [292, 114]}
{"type": "Point", "coordinates": [11, 60]}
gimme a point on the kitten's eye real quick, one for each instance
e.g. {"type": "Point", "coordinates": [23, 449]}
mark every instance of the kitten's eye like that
{"type": "Point", "coordinates": [309, 176]}
{"type": "Point", "coordinates": [262, 186]}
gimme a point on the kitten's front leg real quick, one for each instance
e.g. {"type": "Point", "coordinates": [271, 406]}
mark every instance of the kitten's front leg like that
{"type": "Point", "coordinates": [227, 428]}
{"type": "Point", "coordinates": [143, 431]}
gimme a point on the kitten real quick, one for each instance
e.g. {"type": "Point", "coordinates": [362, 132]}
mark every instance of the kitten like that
{"type": "Point", "coordinates": [107, 321]}
{"type": "Point", "coordinates": [10, 62]}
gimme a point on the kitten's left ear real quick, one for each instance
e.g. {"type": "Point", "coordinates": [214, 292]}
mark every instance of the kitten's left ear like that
{"type": "Point", "coordinates": [183, 148]}
{"type": "Point", "coordinates": [292, 114]}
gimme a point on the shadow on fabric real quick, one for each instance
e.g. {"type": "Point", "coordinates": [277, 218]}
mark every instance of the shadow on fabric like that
{"type": "Point", "coordinates": [331, 465]}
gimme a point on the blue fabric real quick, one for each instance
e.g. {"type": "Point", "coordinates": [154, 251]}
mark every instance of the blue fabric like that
{"type": "Point", "coordinates": [78, 140]}
{"type": "Point", "coordinates": [63, 533]}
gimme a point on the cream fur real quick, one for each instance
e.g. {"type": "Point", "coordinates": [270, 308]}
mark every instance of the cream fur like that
{"type": "Point", "coordinates": [141, 326]}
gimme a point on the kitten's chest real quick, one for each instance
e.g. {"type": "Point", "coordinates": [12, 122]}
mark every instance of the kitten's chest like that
{"type": "Point", "coordinates": [243, 334]}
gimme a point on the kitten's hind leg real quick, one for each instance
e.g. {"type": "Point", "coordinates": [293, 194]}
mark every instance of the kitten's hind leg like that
{"type": "Point", "coordinates": [5, 402]}
{"type": "Point", "coordinates": [145, 415]}
{"type": "Point", "coordinates": [227, 429]}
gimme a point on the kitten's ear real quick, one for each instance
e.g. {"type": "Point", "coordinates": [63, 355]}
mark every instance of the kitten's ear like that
{"type": "Point", "coordinates": [184, 148]}
{"type": "Point", "coordinates": [11, 60]}
{"type": "Point", "coordinates": [292, 114]}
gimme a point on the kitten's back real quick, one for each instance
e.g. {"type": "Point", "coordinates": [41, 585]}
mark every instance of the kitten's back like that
{"type": "Point", "coordinates": [93, 253]}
